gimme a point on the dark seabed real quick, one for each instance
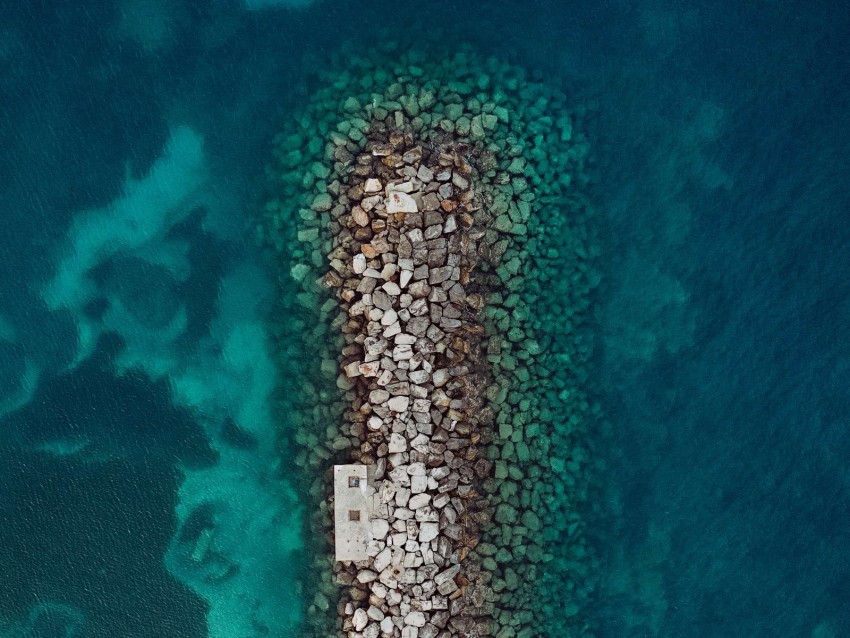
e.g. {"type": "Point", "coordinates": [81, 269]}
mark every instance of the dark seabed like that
{"type": "Point", "coordinates": [141, 489]}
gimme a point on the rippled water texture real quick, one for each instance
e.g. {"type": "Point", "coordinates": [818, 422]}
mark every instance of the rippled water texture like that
{"type": "Point", "coordinates": [147, 477]}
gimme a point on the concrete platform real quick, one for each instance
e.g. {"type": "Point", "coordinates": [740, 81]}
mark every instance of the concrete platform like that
{"type": "Point", "coordinates": [352, 511]}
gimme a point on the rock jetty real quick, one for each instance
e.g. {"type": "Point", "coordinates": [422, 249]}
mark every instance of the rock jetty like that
{"type": "Point", "coordinates": [402, 264]}
{"type": "Point", "coordinates": [435, 326]}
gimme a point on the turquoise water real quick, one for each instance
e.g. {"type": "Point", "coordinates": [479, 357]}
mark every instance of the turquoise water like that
{"type": "Point", "coordinates": [138, 384]}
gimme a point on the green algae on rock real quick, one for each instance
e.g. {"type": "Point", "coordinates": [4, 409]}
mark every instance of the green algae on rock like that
{"type": "Point", "coordinates": [536, 273]}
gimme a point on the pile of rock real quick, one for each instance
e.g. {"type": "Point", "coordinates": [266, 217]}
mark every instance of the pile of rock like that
{"type": "Point", "coordinates": [401, 264]}
{"type": "Point", "coordinates": [446, 198]}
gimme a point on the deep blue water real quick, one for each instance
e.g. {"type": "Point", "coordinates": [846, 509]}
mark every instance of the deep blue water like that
{"type": "Point", "coordinates": [134, 137]}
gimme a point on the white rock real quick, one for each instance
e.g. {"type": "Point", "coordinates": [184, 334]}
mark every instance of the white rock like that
{"type": "Point", "coordinates": [390, 317]}
{"type": "Point", "coordinates": [441, 499]}
{"type": "Point", "coordinates": [440, 472]}
{"type": "Point", "coordinates": [372, 185]}
{"type": "Point", "coordinates": [418, 483]}
{"type": "Point", "coordinates": [388, 271]}
{"type": "Point", "coordinates": [451, 224]}
{"type": "Point", "coordinates": [419, 376]}
{"type": "Point", "coordinates": [397, 442]}
{"type": "Point", "coordinates": [398, 475]}
{"type": "Point", "coordinates": [398, 202]}
{"type": "Point", "coordinates": [404, 278]}
{"type": "Point", "coordinates": [359, 263]}
{"type": "Point", "coordinates": [441, 377]}
{"type": "Point", "coordinates": [401, 187]}
{"type": "Point", "coordinates": [417, 468]}
{"type": "Point", "coordinates": [372, 631]}
{"type": "Point", "coordinates": [403, 514]}
{"type": "Point", "coordinates": [387, 625]}
{"type": "Point", "coordinates": [366, 576]}
{"type": "Point", "coordinates": [422, 405]}
{"type": "Point", "coordinates": [360, 619]}
{"type": "Point", "coordinates": [389, 579]}
{"type": "Point", "coordinates": [402, 352]}
{"type": "Point", "coordinates": [387, 491]}
{"type": "Point", "coordinates": [420, 442]}
{"type": "Point", "coordinates": [420, 392]}
{"type": "Point", "coordinates": [427, 531]}
{"type": "Point", "coordinates": [402, 497]}
{"type": "Point", "coordinates": [398, 404]}
{"type": "Point", "coordinates": [376, 397]}
{"type": "Point", "coordinates": [369, 203]}
{"type": "Point", "coordinates": [392, 330]}
{"type": "Point", "coordinates": [425, 514]}
{"type": "Point", "coordinates": [419, 500]}
{"type": "Point", "coordinates": [382, 560]}
{"type": "Point", "coordinates": [374, 423]}
{"type": "Point", "coordinates": [374, 346]}
{"type": "Point", "coordinates": [419, 307]}
{"type": "Point", "coordinates": [414, 619]}
{"type": "Point", "coordinates": [392, 289]}
{"type": "Point", "coordinates": [405, 339]}
{"type": "Point", "coordinates": [380, 528]}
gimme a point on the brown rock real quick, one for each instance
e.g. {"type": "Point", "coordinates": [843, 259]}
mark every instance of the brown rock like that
{"type": "Point", "coordinates": [359, 216]}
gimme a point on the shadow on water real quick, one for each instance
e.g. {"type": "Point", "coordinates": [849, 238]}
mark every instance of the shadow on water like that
{"type": "Point", "coordinates": [87, 497]}
{"type": "Point", "coordinates": [92, 414]}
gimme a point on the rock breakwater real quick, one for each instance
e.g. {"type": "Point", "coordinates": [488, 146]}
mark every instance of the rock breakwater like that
{"type": "Point", "coordinates": [403, 264]}
{"type": "Point", "coordinates": [441, 248]}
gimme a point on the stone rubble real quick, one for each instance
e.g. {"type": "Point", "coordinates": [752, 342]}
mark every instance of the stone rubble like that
{"type": "Point", "coordinates": [413, 347]}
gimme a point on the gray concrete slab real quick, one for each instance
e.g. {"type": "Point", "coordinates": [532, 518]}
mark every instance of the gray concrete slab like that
{"type": "Point", "coordinates": [352, 510]}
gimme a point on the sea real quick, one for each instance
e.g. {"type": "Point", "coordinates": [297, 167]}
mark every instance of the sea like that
{"type": "Point", "coordinates": [143, 493]}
